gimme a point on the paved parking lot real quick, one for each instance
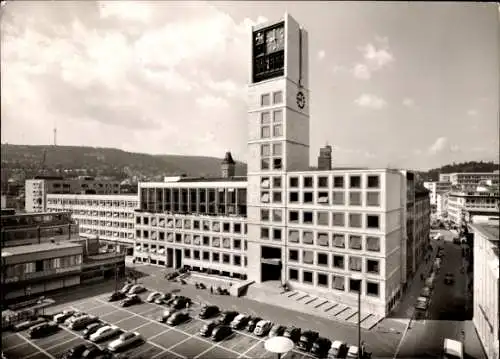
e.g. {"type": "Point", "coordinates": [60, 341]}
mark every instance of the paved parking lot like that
{"type": "Point", "coordinates": [162, 341]}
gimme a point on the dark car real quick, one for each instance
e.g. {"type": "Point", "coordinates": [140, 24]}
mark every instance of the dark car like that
{"type": "Point", "coordinates": [131, 300]}
{"type": "Point", "coordinates": [28, 324]}
{"type": "Point", "coordinates": [293, 333]}
{"type": "Point", "coordinates": [276, 331]}
{"type": "Point", "coordinates": [207, 329]}
{"type": "Point", "coordinates": [83, 322]}
{"type": "Point", "coordinates": [163, 298]}
{"type": "Point", "coordinates": [91, 329]}
{"type": "Point", "coordinates": [44, 329]}
{"type": "Point", "coordinates": [166, 314]}
{"type": "Point", "coordinates": [307, 339]}
{"type": "Point", "coordinates": [221, 332]}
{"type": "Point", "coordinates": [209, 311]}
{"type": "Point", "coordinates": [76, 352]}
{"type": "Point", "coordinates": [177, 318]}
{"type": "Point", "coordinates": [181, 302]}
{"type": "Point", "coordinates": [321, 347]}
{"type": "Point", "coordinates": [116, 296]}
{"type": "Point", "coordinates": [449, 278]}
{"type": "Point", "coordinates": [227, 317]}
{"type": "Point", "coordinates": [252, 323]}
{"type": "Point", "coordinates": [94, 353]}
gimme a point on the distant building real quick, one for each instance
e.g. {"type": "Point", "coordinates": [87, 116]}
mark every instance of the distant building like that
{"type": "Point", "coordinates": [436, 188]}
{"type": "Point", "coordinates": [442, 204]}
{"type": "Point", "coordinates": [470, 180]}
{"type": "Point", "coordinates": [228, 166]}
{"type": "Point", "coordinates": [486, 286]}
{"type": "Point", "coordinates": [325, 158]}
{"type": "Point", "coordinates": [470, 206]}
{"type": "Point", "coordinates": [36, 190]}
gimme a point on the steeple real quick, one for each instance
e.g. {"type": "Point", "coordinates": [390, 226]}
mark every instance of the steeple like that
{"type": "Point", "coordinates": [228, 166]}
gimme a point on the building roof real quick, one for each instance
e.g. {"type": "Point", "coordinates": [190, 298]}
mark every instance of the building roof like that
{"type": "Point", "coordinates": [213, 179]}
{"type": "Point", "coordinates": [228, 159]}
{"type": "Point", "coordinates": [33, 248]}
{"type": "Point", "coordinates": [488, 230]}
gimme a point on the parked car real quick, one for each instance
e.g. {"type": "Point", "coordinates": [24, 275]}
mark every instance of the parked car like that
{"type": "Point", "coordinates": [126, 288]}
{"type": "Point", "coordinates": [153, 296]}
{"type": "Point", "coordinates": [207, 329]}
{"type": "Point", "coordinates": [106, 332]}
{"type": "Point", "coordinates": [449, 278]}
{"type": "Point", "coordinates": [276, 331]}
{"type": "Point", "coordinates": [240, 321]}
{"type": "Point", "coordinates": [227, 317]}
{"type": "Point", "coordinates": [125, 340]}
{"type": "Point", "coordinates": [166, 314]}
{"type": "Point", "coordinates": [321, 347]}
{"type": "Point", "coordinates": [75, 352]}
{"type": "Point", "coordinates": [181, 302]}
{"type": "Point", "coordinates": [262, 328]}
{"type": "Point", "coordinates": [425, 292]}
{"type": "Point", "coordinates": [28, 324]}
{"type": "Point", "coordinates": [116, 296]}
{"type": "Point", "coordinates": [177, 318]}
{"type": "Point", "coordinates": [94, 352]}
{"type": "Point", "coordinates": [172, 275]}
{"type": "Point", "coordinates": [338, 350]}
{"type": "Point", "coordinates": [252, 323]}
{"type": "Point", "coordinates": [136, 289]}
{"type": "Point", "coordinates": [163, 298]}
{"type": "Point", "coordinates": [131, 300]}
{"type": "Point", "coordinates": [42, 330]}
{"type": "Point", "coordinates": [62, 316]}
{"type": "Point", "coordinates": [307, 340]}
{"type": "Point", "coordinates": [422, 303]}
{"type": "Point", "coordinates": [81, 322]}
{"type": "Point", "coordinates": [221, 332]}
{"type": "Point", "coordinates": [352, 353]}
{"type": "Point", "coordinates": [91, 329]}
{"type": "Point", "coordinates": [209, 311]}
{"type": "Point", "coordinates": [293, 333]}
{"type": "Point", "coordinates": [74, 317]}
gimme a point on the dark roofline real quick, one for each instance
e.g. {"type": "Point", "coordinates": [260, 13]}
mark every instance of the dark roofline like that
{"type": "Point", "coordinates": [228, 159]}
{"type": "Point", "coordinates": [213, 179]}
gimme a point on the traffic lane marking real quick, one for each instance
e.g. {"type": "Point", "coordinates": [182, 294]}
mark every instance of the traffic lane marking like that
{"type": "Point", "coordinates": [191, 327]}
{"type": "Point", "coordinates": [248, 350]}
{"type": "Point", "coordinates": [150, 329]}
{"type": "Point", "coordinates": [39, 356]}
{"type": "Point", "coordinates": [191, 347]}
{"type": "Point", "coordinates": [132, 322]}
{"type": "Point", "coordinates": [153, 315]}
{"type": "Point", "coordinates": [115, 316]}
{"type": "Point", "coordinates": [138, 308]}
{"type": "Point", "coordinates": [87, 304]}
{"type": "Point", "coordinates": [169, 339]}
{"type": "Point", "coordinates": [258, 351]}
{"type": "Point", "coordinates": [140, 326]}
{"type": "Point", "coordinates": [145, 350]}
{"type": "Point", "coordinates": [150, 310]}
{"type": "Point", "coordinates": [167, 355]}
{"type": "Point", "coordinates": [101, 310]}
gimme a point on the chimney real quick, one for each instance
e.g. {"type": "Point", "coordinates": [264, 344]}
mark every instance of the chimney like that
{"type": "Point", "coordinates": [228, 166]}
{"type": "Point", "coordinates": [325, 158]}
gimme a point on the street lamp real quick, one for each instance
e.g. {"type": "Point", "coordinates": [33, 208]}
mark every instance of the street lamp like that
{"type": "Point", "coordinates": [359, 279]}
{"type": "Point", "coordinates": [278, 345]}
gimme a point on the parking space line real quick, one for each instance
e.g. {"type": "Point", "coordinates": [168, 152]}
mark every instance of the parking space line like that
{"type": "Point", "coordinates": [147, 311]}
{"type": "Point", "coordinates": [182, 341]}
{"type": "Point", "coordinates": [249, 349]}
{"type": "Point", "coordinates": [160, 353]}
{"type": "Point", "coordinates": [14, 346]}
{"type": "Point", "coordinates": [122, 320]}
{"type": "Point", "coordinates": [160, 333]}
{"type": "Point", "coordinates": [61, 343]}
{"type": "Point", "coordinates": [36, 347]}
{"type": "Point", "coordinates": [206, 351]}
{"type": "Point", "coordinates": [113, 311]}
{"type": "Point", "coordinates": [140, 326]}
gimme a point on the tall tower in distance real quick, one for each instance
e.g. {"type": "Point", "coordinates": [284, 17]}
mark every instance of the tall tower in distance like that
{"type": "Point", "coordinates": [278, 139]}
{"type": "Point", "coordinates": [325, 158]}
{"type": "Point", "coordinates": [55, 136]}
{"type": "Point", "coordinates": [228, 166]}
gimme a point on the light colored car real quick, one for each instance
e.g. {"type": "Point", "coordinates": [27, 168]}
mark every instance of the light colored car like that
{"type": "Point", "coordinates": [337, 350]}
{"type": "Point", "coordinates": [125, 340]}
{"type": "Point", "coordinates": [422, 303]}
{"type": "Point", "coordinates": [136, 289]}
{"type": "Point", "coordinates": [74, 317]}
{"type": "Point", "coordinates": [153, 296]}
{"type": "Point", "coordinates": [126, 288]}
{"type": "Point", "coordinates": [352, 353]}
{"type": "Point", "coordinates": [104, 333]}
{"type": "Point", "coordinates": [262, 328]}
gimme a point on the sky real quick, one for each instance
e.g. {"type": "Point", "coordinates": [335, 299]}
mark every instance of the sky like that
{"type": "Point", "coordinates": [402, 84]}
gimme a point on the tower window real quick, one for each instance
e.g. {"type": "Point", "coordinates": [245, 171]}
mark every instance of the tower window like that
{"type": "Point", "coordinates": [265, 132]}
{"type": "Point", "coordinates": [265, 99]}
{"type": "Point", "coordinates": [277, 149]}
{"type": "Point", "coordinates": [277, 97]}
{"type": "Point", "coordinates": [265, 150]}
{"type": "Point", "coordinates": [278, 116]}
{"type": "Point", "coordinates": [277, 130]}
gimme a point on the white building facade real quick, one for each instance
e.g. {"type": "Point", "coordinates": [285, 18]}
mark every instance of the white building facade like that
{"type": "Point", "coordinates": [435, 188]}
{"type": "Point", "coordinates": [464, 206]}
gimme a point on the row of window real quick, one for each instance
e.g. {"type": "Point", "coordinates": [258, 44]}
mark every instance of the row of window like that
{"type": "Point", "coordinates": [338, 198]}
{"type": "Point", "coordinates": [95, 222]}
{"type": "Point", "coordinates": [315, 182]}
{"type": "Point", "coordinates": [102, 214]}
{"type": "Point", "coordinates": [337, 261]}
{"type": "Point", "coordinates": [276, 97]}
{"type": "Point", "coordinates": [323, 239]}
{"type": "Point", "coordinates": [216, 242]}
{"type": "Point", "coordinates": [336, 282]}
{"type": "Point", "coordinates": [92, 202]}
{"type": "Point", "coordinates": [322, 218]}
{"type": "Point", "coordinates": [18, 270]}
{"type": "Point", "coordinates": [195, 224]}
{"type": "Point", "coordinates": [105, 233]}
{"type": "Point", "coordinates": [271, 124]}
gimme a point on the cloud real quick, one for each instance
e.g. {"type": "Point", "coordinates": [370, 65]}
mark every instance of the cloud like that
{"type": "Point", "coordinates": [441, 145]}
{"type": "Point", "coordinates": [321, 54]}
{"type": "Point", "coordinates": [371, 101]}
{"type": "Point", "coordinates": [375, 57]}
{"type": "Point", "coordinates": [408, 102]}
{"type": "Point", "coordinates": [472, 112]}
{"type": "Point", "coordinates": [125, 9]}
{"type": "Point", "coordinates": [210, 101]}
{"type": "Point", "coordinates": [362, 72]}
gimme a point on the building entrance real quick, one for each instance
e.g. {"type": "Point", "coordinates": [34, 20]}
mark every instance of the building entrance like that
{"type": "Point", "coordinates": [178, 258]}
{"type": "Point", "coordinates": [170, 257]}
{"type": "Point", "coordinates": [270, 264]}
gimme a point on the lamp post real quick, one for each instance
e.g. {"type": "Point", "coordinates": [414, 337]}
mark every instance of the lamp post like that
{"type": "Point", "coordinates": [359, 279]}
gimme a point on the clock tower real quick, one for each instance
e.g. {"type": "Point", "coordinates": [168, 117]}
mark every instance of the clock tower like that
{"type": "Point", "coordinates": [278, 120]}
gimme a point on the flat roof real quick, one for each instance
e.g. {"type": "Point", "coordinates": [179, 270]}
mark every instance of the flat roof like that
{"type": "Point", "coordinates": [33, 248]}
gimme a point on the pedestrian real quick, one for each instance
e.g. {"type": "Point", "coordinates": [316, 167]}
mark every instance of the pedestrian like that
{"type": "Point", "coordinates": [211, 290]}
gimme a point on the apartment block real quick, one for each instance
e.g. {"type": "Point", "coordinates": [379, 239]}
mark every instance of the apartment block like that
{"type": "Point", "coordinates": [436, 188]}
{"type": "Point", "coordinates": [471, 206]}
{"type": "Point", "coordinates": [470, 180]}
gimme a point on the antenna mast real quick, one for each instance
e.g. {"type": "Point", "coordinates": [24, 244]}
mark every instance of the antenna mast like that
{"type": "Point", "coordinates": [55, 136]}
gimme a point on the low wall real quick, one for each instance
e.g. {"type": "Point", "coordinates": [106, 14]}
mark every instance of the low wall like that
{"type": "Point", "coordinates": [239, 289]}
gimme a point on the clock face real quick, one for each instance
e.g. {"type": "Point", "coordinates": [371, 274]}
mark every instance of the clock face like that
{"type": "Point", "coordinates": [301, 100]}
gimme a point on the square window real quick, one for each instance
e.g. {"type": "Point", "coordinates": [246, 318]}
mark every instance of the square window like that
{"type": "Point", "coordinates": [237, 260]}
{"type": "Point", "coordinates": [323, 198]}
{"type": "Point", "coordinates": [226, 243]}
{"type": "Point", "coordinates": [226, 259]}
{"type": "Point", "coordinates": [226, 227]}
{"type": "Point", "coordinates": [308, 257]}
{"type": "Point", "coordinates": [338, 182]}
{"type": "Point", "coordinates": [323, 219]}
{"type": "Point", "coordinates": [215, 257]}
{"type": "Point", "coordinates": [277, 234]}
{"type": "Point", "coordinates": [265, 99]}
{"type": "Point", "coordinates": [372, 221]}
{"type": "Point", "coordinates": [293, 216]}
{"type": "Point", "coordinates": [196, 224]}
{"type": "Point", "coordinates": [307, 277]}
{"type": "Point", "coordinates": [277, 97]}
{"type": "Point", "coordinates": [277, 131]}
{"type": "Point", "coordinates": [276, 182]}
{"type": "Point", "coordinates": [338, 282]}
{"type": "Point", "coordinates": [264, 164]}
{"type": "Point", "coordinates": [307, 237]}
{"type": "Point", "coordinates": [196, 255]}
{"type": "Point", "coordinates": [237, 243]}
{"type": "Point", "coordinates": [277, 149]}
{"type": "Point", "coordinates": [373, 182]}
{"type": "Point", "coordinates": [338, 262]}
{"type": "Point", "coordinates": [277, 197]}
{"type": "Point", "coordinates": [354, 220]}
{"type": "Point", "coordinates": [294, 196]}
{"type": "Point", "coordinates": [373, 199]}
{"type": "Point", "coordinates": [372, 289]}
{"type": "Point", "coordinates": [293, 236]}
{"type": "Point", "coordinates": [373, 244]}
{"type": "Point", "coordinates": [187, 253]}
{"type": "Point", "coordinates": [338, 198]}
{"type": "Point", "coordinates": [322, 280]}
{"type": "Point", "coordinates": [355, 198]}
{"type": "Point", "coordinates": [278, 116]}
{"type": "Point", "coordinates": [206, 256]}
{"type": "Point", "coordinates": [265, 150]}
{"type": "Point", "coordinates": [215, 242]}
{"type": "Point", "coordinates": [308, 182]}
{"type": "Point", "coordinates": [354, 285]}
{"type": "Point", "coordinates": [322, 259]}
{"type": "Point", "coordinates": [264, 215]}
{"type": "Point", "coordinates": [277, 163]}
{"type": "Point", "coordinates": [323, 182]}
{"type": "Point", "coordinates": [307, 217]}
{"type": "Point", "coordinates": [264, 233]}
{"type": "Point", "coordinates": [264, 197]}
{"type": "Point", "coordinates": [355, 182]}
{"type": "Point", "coordinates": [293, 255]}
{"type": "Point", "coordinates": [338, 219]}
{"type": "Point", "coordinates": [322, 240]}
{"type": "Point", "coordinates": [237, 227]}
{"type": "Point", "coordinates": [293, 274]}
{"type": "Point", "coordinates": [355, 264]}
{"type": "Point", "coordinates": [206, 241]}
{"type": "Point", "coordinates": [294, 182]}
{"type": "Point", "coordinates": [264, 182]}
{"type": "Point", "coordinates": [265, 132]}
{"type": "Point", "coordinates": [372, 266]}
{"type": "Point", "coordinates": [355, 242]}
{"type": "Point", "coordinates": [277, 215]}
{"type": "Point", "coordinates": [308, 197]}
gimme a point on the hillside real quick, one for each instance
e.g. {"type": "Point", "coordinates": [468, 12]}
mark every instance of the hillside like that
{"type": "Point", "coordinates": [472, 166]}
{"type": "Point", "coordinates": [73, 160]}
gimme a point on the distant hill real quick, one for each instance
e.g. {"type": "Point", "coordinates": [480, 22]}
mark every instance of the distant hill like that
{"type": "Point", "coordinates": [472, 166]}
{"type": "Point", "coordinates": [76, 160]}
